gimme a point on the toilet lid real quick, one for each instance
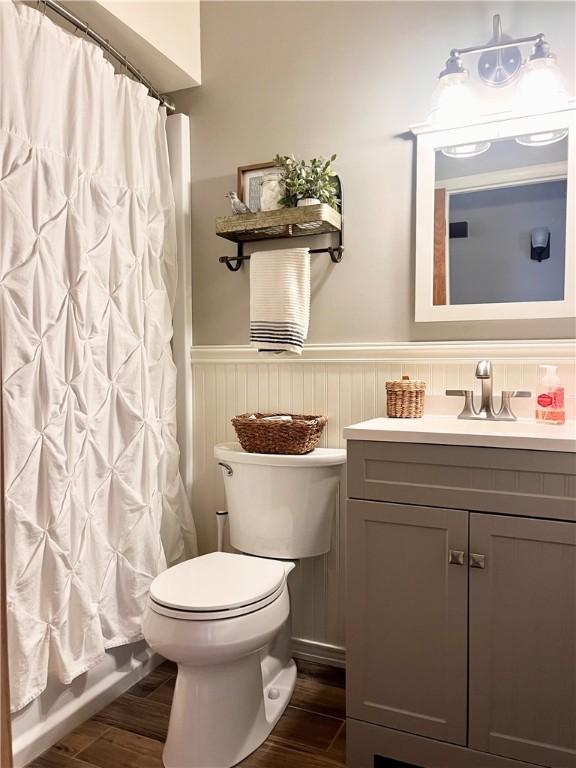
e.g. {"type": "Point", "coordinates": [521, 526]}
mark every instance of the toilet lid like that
{"type": "Point", "coordinates": [218, 581]}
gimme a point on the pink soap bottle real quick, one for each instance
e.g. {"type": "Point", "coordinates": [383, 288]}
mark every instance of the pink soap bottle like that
{"type": "Point", "coordinates": [550, 400]}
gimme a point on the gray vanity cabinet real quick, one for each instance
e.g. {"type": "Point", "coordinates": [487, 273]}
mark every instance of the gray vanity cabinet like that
{"type": "Point", "coordinates": [461, 622]}
{"type": "Point", "coordinates": [407, 618]}
{"type": "Point", "coordinates": [523, 639]}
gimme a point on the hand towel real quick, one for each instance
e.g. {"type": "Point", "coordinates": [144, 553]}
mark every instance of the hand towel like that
{"type": "Point", "coordinates": [279, 300]}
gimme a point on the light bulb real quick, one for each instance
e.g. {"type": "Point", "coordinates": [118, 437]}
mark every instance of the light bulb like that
{"type": "Point", "coordinates": [541, 87]}
{"type": "Point", "coordinates": [453, 102]}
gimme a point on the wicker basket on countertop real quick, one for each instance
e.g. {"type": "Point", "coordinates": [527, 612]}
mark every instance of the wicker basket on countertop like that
{"type": "Point", "coordinates": [258, 434]}
{"type": "Point", "coordinates": [405, 398]}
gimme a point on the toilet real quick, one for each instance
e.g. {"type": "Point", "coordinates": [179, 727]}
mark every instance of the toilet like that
{"type": "Point", "coordinates": [224, 618]}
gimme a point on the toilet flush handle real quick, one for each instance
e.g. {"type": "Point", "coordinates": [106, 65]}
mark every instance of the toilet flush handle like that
{"type": "Point", "coordinates": [227, 468]}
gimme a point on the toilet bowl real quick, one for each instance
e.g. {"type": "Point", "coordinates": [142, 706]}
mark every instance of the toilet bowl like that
{"type": "Point", "coordinates": [221, 618]}
{"type": "Point", "coordinates": [224, 618]}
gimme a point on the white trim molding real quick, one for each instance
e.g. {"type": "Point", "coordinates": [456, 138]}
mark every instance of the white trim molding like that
{"type": "Point", "coordinates": [554, 350]}
{"type": "Point", "coordinates": [320, 653]}
{"type": "Point", "coordinates": [505, 177]}
{"type": "Point", "coordinates": [178, 136]}
{"type": "Point", "coordinates": [490, 117]}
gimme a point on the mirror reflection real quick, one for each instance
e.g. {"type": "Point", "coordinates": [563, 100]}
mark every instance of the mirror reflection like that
{"type": "Point", "coordinates": [500, 220]}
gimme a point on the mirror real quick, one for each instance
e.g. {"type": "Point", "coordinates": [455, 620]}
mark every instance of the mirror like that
{"type": "Point", "coordinates": [488, 209]}
{"type": "Point", "coordinates": [495, 221]}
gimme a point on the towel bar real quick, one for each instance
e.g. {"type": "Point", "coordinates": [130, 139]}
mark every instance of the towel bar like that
{"type": "Point", "coordinates": [235, 262]}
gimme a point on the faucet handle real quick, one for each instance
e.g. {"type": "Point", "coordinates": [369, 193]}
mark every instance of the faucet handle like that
{"type": "Point", "coordinates": [505, 413]}
{"type": "Point", "coordinates": [508, 393]}
{"type": "Point", "coordinates": [468, 395]}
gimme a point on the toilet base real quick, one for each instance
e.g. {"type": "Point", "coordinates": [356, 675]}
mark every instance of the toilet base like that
{"type": "Point", "coordinates": [220, 714]}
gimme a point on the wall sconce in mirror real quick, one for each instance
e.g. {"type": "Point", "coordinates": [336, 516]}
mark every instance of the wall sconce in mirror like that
{"type": "Point", "coordinates": [540, 244]}
{"type": "Point", "coordinates": [540, 85]}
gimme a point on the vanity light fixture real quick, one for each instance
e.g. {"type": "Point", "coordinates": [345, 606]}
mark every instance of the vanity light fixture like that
{"type": "Point", "coordinates": [540, 86]}
{"type": "Point", "coordinates": [501, 60]}
{"type": "Point", "coordinates": [540, 243]}
{"type": "Point", "coordinates": [454, 99]}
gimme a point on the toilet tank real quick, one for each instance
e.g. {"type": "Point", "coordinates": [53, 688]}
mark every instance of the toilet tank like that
{"type": "Point", "coordinates": [279, 505]}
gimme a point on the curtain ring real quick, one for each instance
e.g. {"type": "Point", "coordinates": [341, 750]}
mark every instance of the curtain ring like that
{"type": "Point", "coordinates": [44, 9]}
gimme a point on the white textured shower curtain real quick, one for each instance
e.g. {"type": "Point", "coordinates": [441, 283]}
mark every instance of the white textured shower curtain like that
{"type": "Point", "coordinates": [94, 502]}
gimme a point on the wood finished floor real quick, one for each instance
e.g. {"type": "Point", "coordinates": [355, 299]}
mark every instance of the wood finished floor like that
{"type": "Point", "coordinates": [130, 732]}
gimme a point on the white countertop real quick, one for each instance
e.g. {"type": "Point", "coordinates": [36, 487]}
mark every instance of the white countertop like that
{"type": "Point", "coordinates": [524, 434]}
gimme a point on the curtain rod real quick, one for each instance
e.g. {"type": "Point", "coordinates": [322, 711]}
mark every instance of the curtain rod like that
{"type": "Point", "coordinates": [61, 10]}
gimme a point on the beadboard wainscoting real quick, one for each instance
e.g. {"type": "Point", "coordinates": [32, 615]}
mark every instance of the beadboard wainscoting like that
{"type": "Point", "coordinates": [347, 384]}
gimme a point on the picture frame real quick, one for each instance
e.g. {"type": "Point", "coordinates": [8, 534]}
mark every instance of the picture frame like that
{"type": "Point", "coordinates": [249, 183]}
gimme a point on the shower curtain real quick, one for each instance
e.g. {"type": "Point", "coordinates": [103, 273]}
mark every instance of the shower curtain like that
{"type": "Point", "coordinates": [95, 506]}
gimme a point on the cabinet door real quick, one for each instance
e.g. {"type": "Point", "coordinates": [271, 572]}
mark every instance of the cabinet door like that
{"type": "Point", "coordinates": [523, 639]}
{"type": "Point", "coordinates": [407, 618]}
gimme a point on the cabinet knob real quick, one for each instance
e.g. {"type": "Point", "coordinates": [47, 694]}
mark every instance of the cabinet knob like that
{"type": "Point", "coordinates": [477, 561]}
{"type": "Point", "coordinates": [456, 557]}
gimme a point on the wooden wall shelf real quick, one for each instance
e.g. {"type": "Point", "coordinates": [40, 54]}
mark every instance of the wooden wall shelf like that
{"type": "Point", "coordinates": [307, 221]}
{"type": "Point", "coordinates": [284, 222]}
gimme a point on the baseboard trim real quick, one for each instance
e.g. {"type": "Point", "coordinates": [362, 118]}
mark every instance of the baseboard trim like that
{"type": "Point", "coordinates": [320, 653]}
{"type": "Point", "coordinates": [555, 350]}
{"type": "Point", "coordinates": [50, 728]}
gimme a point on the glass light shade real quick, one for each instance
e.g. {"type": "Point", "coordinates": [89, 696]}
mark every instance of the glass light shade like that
{"type": "Point", "coordinates": [541, 86]}
{"type": "Point", "coordinates": [542, 139]}
{"type": "Point", "coordinates": [540, 236]}
{"type": "Point", "coordinates": [453, 102]}
{"type": "Point", "coordinates": [466, 150]}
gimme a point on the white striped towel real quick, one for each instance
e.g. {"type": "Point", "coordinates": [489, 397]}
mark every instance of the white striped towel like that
{"type": "Point", "coordinates": [279, 300]}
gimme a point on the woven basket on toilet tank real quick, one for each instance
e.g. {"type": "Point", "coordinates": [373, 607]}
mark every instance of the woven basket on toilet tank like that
{"type": "Point", "coordinates": [258, 434]}
{"type": "Point", "coordinates": [405, 398]}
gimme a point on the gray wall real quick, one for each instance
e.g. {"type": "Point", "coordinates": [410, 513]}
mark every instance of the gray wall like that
{"type": "Point", "coordinates": [346, 77]}
{"type": "Point", "coordinates": [493, 263]}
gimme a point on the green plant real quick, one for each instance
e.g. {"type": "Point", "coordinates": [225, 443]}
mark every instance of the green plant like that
{"type": "Point", "coordinates": [313, 179]}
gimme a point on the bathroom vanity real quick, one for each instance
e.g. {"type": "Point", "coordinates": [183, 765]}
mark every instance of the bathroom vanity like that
{"type": "Point", "coordinates": [461, 594]}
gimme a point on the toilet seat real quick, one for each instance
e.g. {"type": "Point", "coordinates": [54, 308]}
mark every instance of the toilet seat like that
{"type": "Point", "coordinates": [217, 586]}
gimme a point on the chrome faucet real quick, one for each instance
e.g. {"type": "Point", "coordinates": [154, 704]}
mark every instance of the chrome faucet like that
{"type": "Point", "coordinates": [486, 410]}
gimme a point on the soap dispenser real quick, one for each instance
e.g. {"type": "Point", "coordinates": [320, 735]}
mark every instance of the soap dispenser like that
{"type": "Point", "coordinates": [550, 400]}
